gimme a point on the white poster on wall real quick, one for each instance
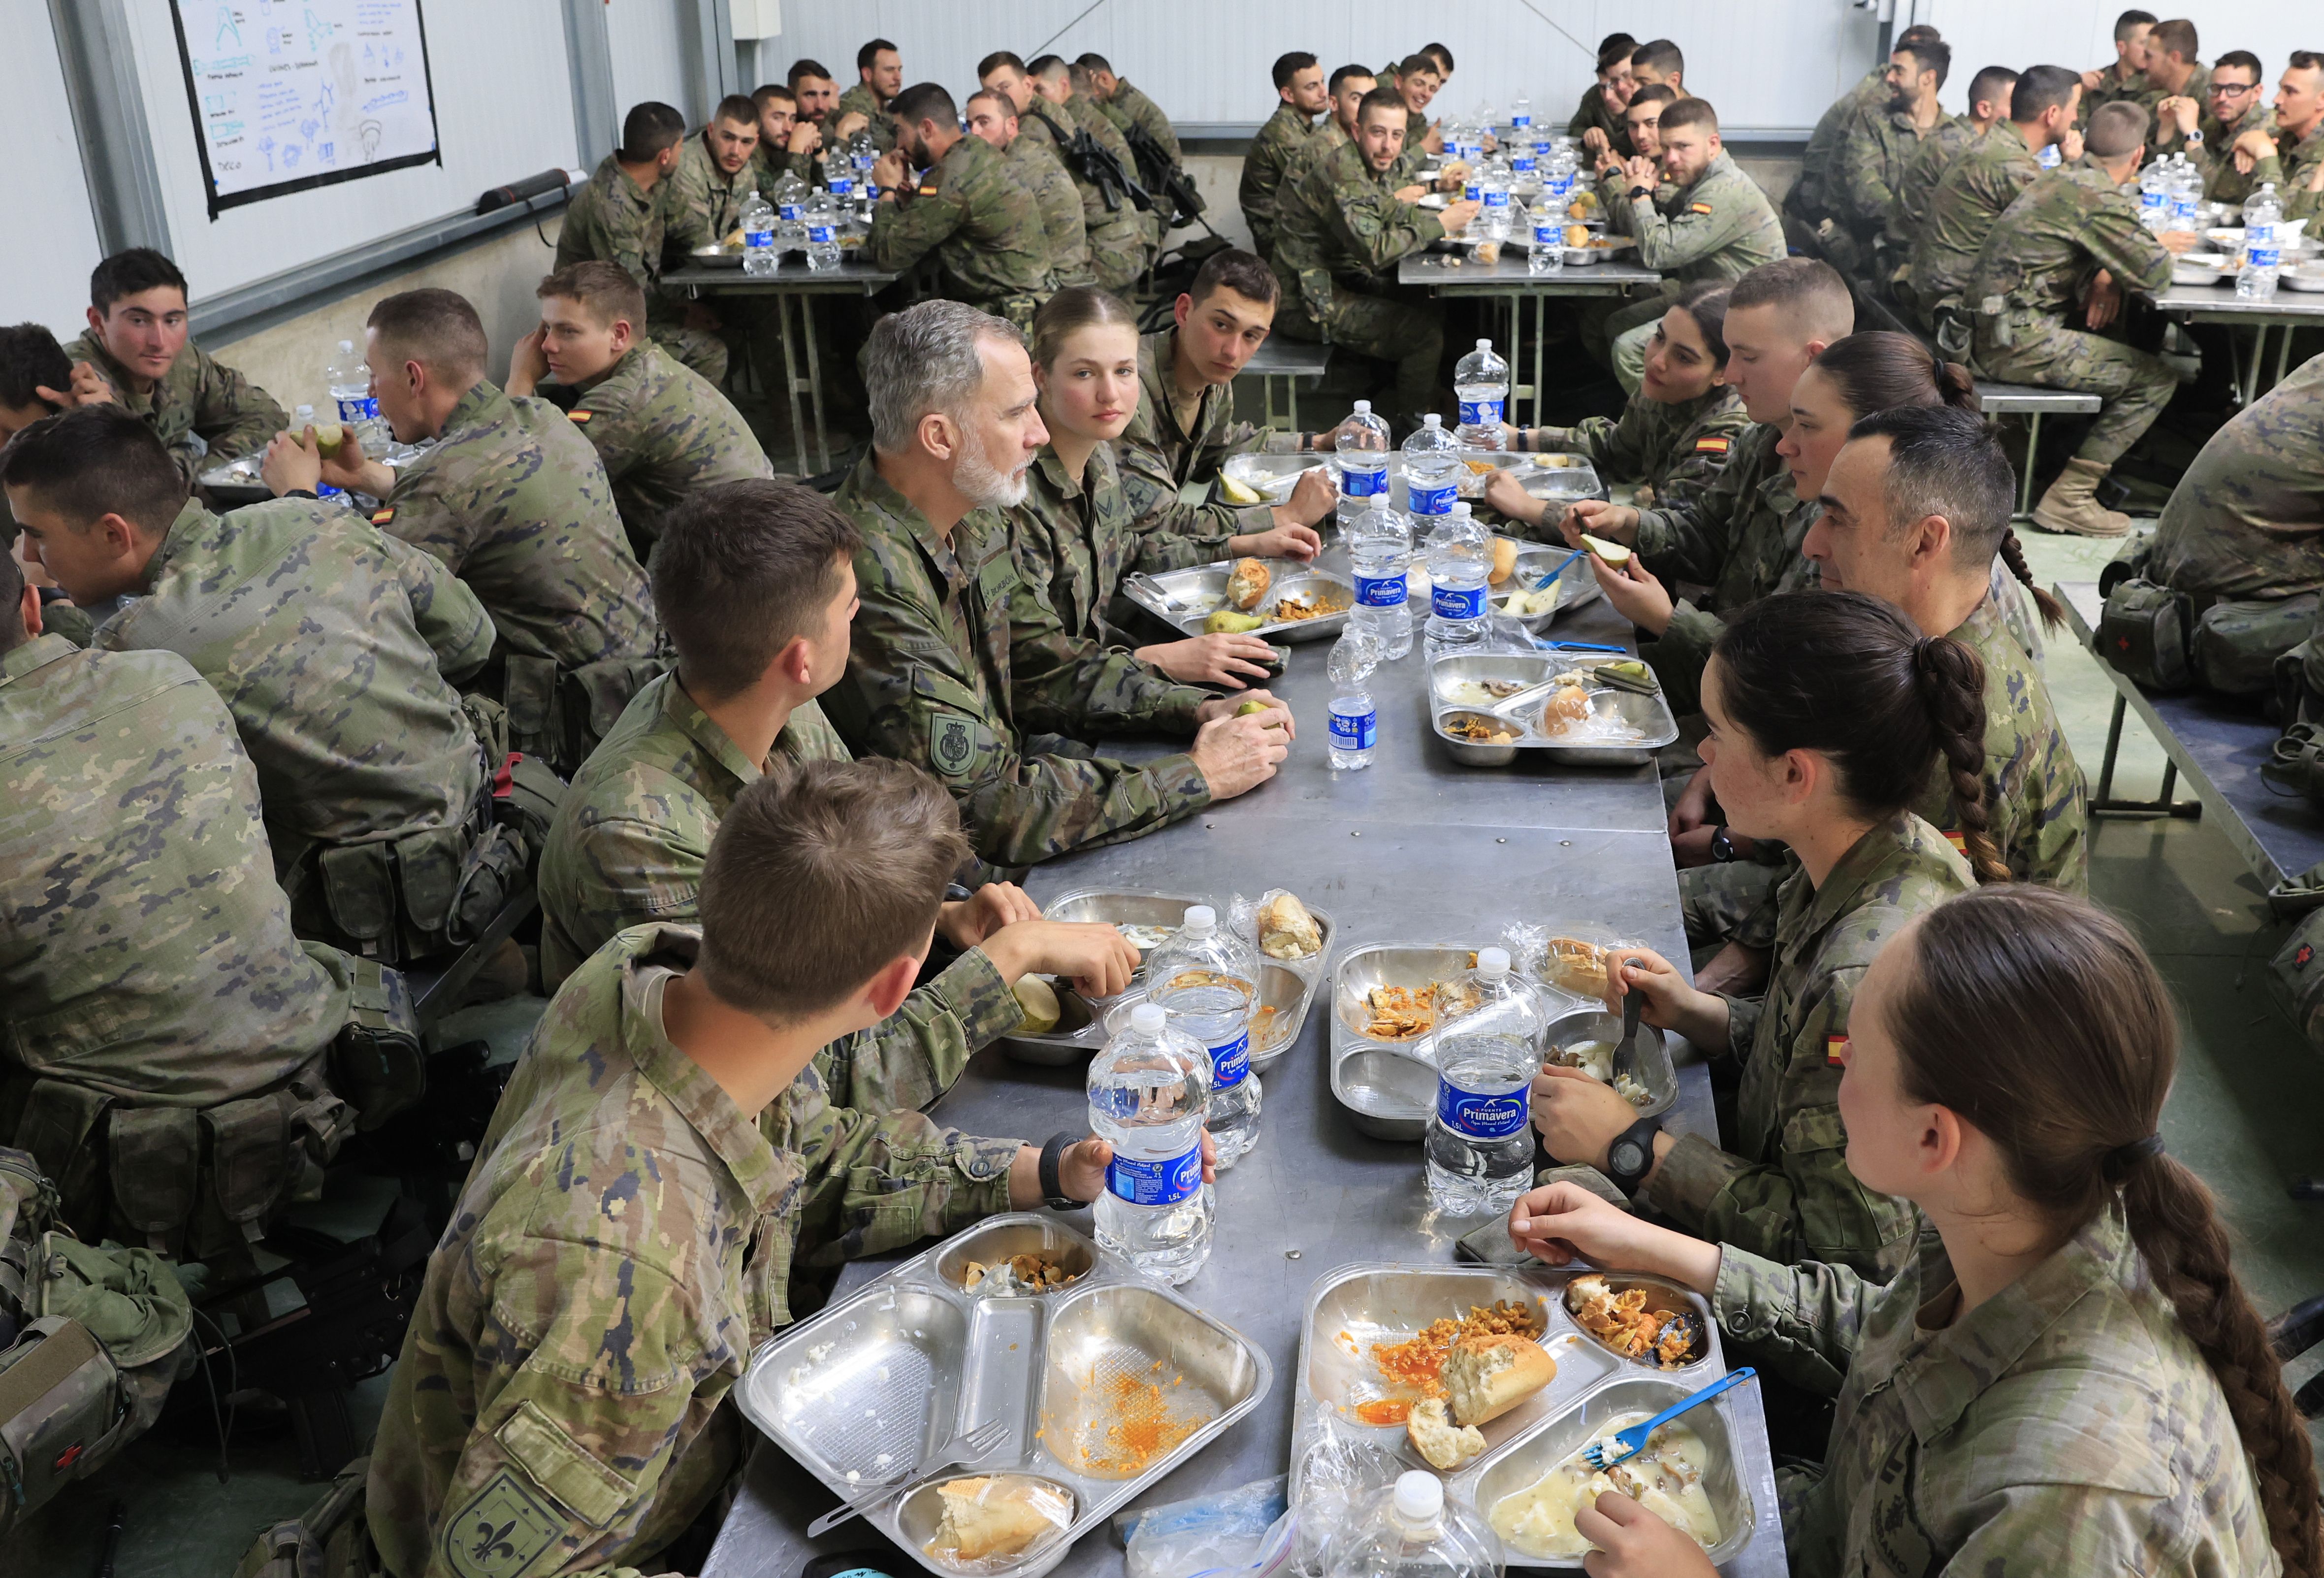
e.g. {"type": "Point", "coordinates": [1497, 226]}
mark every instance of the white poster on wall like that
{"type": "Point", "coordinates": [288, 95]}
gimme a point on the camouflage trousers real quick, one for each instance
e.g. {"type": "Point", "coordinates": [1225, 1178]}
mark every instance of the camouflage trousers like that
{"type": "Point", "coordinates": [1408, 333]}
{"type": "Point", "coordinates": [701, 349]}
{"type": "Point", "coordinates": [2133, 385]}
{"type": "Point", "coordinates": [1117, 252]}
{"type": "Point", "coordinates": [1618, 335]}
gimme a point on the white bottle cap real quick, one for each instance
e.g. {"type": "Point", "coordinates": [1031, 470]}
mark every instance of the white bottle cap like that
{"type": "Point", "coordinates": [1147, 1019]}
{"type": "Point", "coordinates": [346, 344]}
{"type": "Point", "coordinates": [1492, 963]}
{"type": "Point", "coordinates": [1419, 1496]}
{"type": "Point", "coordinates": [1363, 408]}
{"type": "Point", "coordinates": [1484, 344]}
{"type": "Point", "coordinates": [1432, 421]}
{"type": "Point", "coordinates": [1200, 921]}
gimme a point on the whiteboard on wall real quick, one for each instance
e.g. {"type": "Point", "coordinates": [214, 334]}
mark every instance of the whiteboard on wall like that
{"type": "Point", "coordinates": [291, 94]}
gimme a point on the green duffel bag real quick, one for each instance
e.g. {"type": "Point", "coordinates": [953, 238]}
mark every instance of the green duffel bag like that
{"type": "Point", "coordinates": [2146, 633]}
{"type": "Point", "coordinates": [2237, 644]}
{"type": "Point", "coordinates": [2297, 974]}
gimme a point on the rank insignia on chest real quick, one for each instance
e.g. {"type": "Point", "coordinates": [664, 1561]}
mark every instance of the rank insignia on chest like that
{"type": "Point", "coordinates": [382, 517]}
{"type": "Point", "coordinates": [1698, 208]}
{"type": "Point", "coordinates": [581, 417]}
{"type": "Point", "coordinates": [1713, 445]}
{"type": "Point", "coordinates": [952, 743]}
{"type": "Point", "coordinates": [1833, 1048]}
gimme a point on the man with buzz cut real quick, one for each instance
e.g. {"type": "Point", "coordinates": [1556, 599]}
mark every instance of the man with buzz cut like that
{"type": "Point", "coordinates": [1033, 164]}
{"type": "Point", "coordinates": [661, 428]}
{"type": "Point", "coordinates": [880, 77]}
{"type": "Point", "coordinates": [716, 171]}
{"type": "Point", "coordinates": [2125, 75]}
{"type": "Point", "coordinates": [2209, 132]}
{"type": "Point", "coordinates": [1299, 85]}
{"type": "Point", "coordinates": [1113, 231]}
{"type": "Point", "coordinates": [2172, 73]}
{"type": "Point", "coordinates": [984, 229]}
{"type": "Point", "coordinates": [622, 216]}
{"type": "Point", "coordinates": [1660, 63]}
{"type": "Point", "coordinates": [1126, 107]}
{"type": "Point", "coordinates": [787, 144]}
{"type": "Point", "coordinates": [1345, 93]}
{"type": "Point", "coordinates": [1981, 183]}
{"type": "Point", "coordinates": [1908, 206]}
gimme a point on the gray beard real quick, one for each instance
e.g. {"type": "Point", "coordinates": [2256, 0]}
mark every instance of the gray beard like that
{"type": "Point", "coordinates": [983, 484]}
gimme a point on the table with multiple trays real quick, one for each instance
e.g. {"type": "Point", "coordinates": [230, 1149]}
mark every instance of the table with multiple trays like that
{"type": "Point", "coordinates": [1416, 846]}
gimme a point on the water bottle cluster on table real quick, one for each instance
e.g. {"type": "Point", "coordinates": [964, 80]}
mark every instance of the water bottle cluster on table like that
{"type": "Point", "coordinates": [2263, 255]}
{"type": "Point", "coordinates": [1206, 979]}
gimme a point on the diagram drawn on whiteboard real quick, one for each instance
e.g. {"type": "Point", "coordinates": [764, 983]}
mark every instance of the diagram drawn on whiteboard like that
{"type": "Point", "coordinates": [289, 95]}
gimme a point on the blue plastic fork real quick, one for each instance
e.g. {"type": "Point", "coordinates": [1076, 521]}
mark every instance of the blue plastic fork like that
{"type": "Point", "coordinates": [1632, 1441]}
{"type": "Point", "coordinates": [1548, 646]}
{"type": "Point", "coordinates": [1543, 584]}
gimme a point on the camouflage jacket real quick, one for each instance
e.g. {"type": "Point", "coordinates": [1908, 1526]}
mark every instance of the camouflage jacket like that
{"type": "Point", "coordinates": [2035, 804]}
{"type": "Point", "coordinates": [861, 100]}
{"type": "Point", "coordinates": [704, 203]}
{"type": "Point", "coordinates": [1159, 457]}
{"type": "Point", "coordinates": [1908, 204]}
{"type": "Point", "coordinates": [661, 429]}
{"type": "Point", "coordinates": [1810, 196]}
{"type": "Point", "coordinates": [957, 666]}
{"type": "Point", "coordinates": [280, 606]}
{"type": "Point", "coordinates": [1340, 220]}
{"type": "Point", "coordinates": [1961, 211]}
{"type": "Point", "coordinates": [1784, 1191]}
{"type": "Point", "coordinates": [170, 978]}
{"type": "Point", "coordinates": [1719, 228]}
{"type": "Point", "coordinates": [2162, 139]}
{"type": "Point", "coordinates": [626, 1238]}
{"type": "Point", "coordinates": [1593, 111]}
{"type": "Point", "coordinates": [611, 220]}
{"type": "Point", "coordinates": [2222, 181]}
{"type": "Point", "coordinates": [2113, 86]}
{"type": "Point", "coordinates": [1674, 450]}
{"type": "Point", "coordinates": [2066, 1425]}
{"type": "Point", "coordinates": [986, 230]}
{"type": "Point", "coordinates": [1872, 159]}
{"type": "Point", "coordinates": [200, 397]}
{"type": "Point", "coordinates": [627, 847]}
{"type": "Point", "coordinates": [1265, 167]}
{"type": "Point", "coordinates": [2041, 253]}
{"type": "Point", "coordinates": [2246, 519]}
{"type": "Point", "coordinates": [1084, 111]}
{"type": "Point", "coordinates": [1036, 168]}
{"type": "Point", "coordinates": [2300, 163]}
{"type": "Point", "coordinates": [1106, 229]}
{"type": "Point", "coordinates": [515, 501]}
{"type": "Point", "coordinates": [1074, 543]}
{"type": "Point", "coordinates": [1129, 107]}
{"type": "Point", "coordinates": [770, 165]}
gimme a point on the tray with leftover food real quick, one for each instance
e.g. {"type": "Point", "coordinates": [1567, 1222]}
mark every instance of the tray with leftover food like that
{"type": "Point", "coordinates": [1104, 1383]}
{"type": "Point", "coordinates": [1384, 1010]}
{"type": "Point", "coordinates": [1567, 715]}
{"type": "Point", "coordinates": [1299, 603]}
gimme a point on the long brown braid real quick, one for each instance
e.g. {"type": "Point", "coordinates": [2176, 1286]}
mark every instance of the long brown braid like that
{"type": "Point", "coordinates": [2013, 554]}
{"type": "Point", "coordinates": [1952, 688]}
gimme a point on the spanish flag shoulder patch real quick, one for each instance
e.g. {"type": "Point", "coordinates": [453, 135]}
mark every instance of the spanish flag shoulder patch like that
{"type": "Point", "coordinates": [581, 417]}
{"type": "Point", "coordinates": [1833, 1046]}
{"type": "Point", "coordinates": [1960, 843]}
{"type": "Point", "coordinates": [1713, 444]}
{"type": "Point", "coordinates": [382, 517]}
{"type": "Point", "coordinates": [1698, 208]}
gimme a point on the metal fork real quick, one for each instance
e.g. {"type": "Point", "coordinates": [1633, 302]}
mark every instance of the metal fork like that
{"type": "Point", "coordinates": [1632, 1441]}
{"type": "Point", "coordinates": [963, 1448]}
{"type": "Point", "coordinates": [1625, 1051]}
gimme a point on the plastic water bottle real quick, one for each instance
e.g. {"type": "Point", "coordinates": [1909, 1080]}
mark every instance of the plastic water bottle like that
{"type": "Point", "coordinates": [839, 180]}
{"type": "Point", "coordinates": [1482, 384]}
{"type": "Point", "coordinates": [1432, 470]}
{"type": "Point", "coordinates": [1547, 253]}
{"type": "Point", "coordinates": [1521, 120]}
{"type": "Point", "coordinates": [1148, 1091]}
{"type": "Point", "coordinates": [2048, 157]}
{"type": "Point", "coordinates": [1363, 446]}
{"type": "Point", "coordinates": [301, 420]}
{"type": "Point", "coordinates": [1481, 1141]}
{"type": "Point", "coordinates": [2154, 198]}
{"type": "Point", "coordinates": [2186, 195]}
{"type": "Point", "coordinates": [1355, 717]}
{"type": "Point", "coordinates": [790, 213]}
{"type": "Point", "coordinates": [348, 380]}
{"type": "Point", "coordinates": [1206, 979]}
{"type": "Point", "coordinates": [1525, 168]}
{"type": "Point", "coordinates": [1473, 185]}
{"type": "Point", "coordinates": [1494, 186]}
{"type": "Point", "coordinates": [1380, 549]}
{"type": "Point", "coordinates": [1459, 561]}
{"type": "Point", "coordinates": [760, 254]}
{"type": "Point", "coordinates": [2262, 260]}
{"type": "Point", "coordinates": [822, 233]}
{"type": "Point", "coordinates": [1413, 1529]}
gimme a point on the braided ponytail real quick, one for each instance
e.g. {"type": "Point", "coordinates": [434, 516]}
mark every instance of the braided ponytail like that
{"type": "Point", "coordinates": [2013, 554]}
{"type": "Point", "coordinates": [1952, 678]}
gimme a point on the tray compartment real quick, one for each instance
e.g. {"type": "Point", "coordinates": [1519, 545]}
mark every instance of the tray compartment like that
{"type": "Point", "coordinates": [1105, 1342]}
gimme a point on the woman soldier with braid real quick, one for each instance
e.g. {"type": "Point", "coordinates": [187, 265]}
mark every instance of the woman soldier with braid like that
{"type": "Point", "coordinates": [2069, 1380]}
{"type": "Point", "coordinates": [1827, 711]}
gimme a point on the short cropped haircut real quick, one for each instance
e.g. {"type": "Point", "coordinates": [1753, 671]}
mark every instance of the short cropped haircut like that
{"type": "Point", "coordinates": [436, 328]}
{"type": "Point", "coordinates": [1441, 55]}
{"type": "Point", "coordinates": [2174, 37]}
{"type": "Point", "coordinates": [30, 360]}
{"type": "Point", "coordinates": [2306, 61]}
{"type": "Point", "coordinates": [739, 109]}
{"type": "Point", "coordinates": [1380, 98]}
{"type": "Point", "coordinates": [1661, 55]}
{"type": "Point", "coordinates": [2241, 60]}
{"type": "Point", "coordinates": [741, 570]}
{"type": "Point", "coordinates": [821, 875]}
{"type": "Point", "coordinates": [1615, 51]}
{"type": "Point", "coordinates": [924, 359]}
{"type": "Point", "coordinates": [1931, 55]}
{"type": "Point", "coordinates": [1050, 68]}
{"type": "Point", "coordinates": [605, 291]}
{"type": "Point", "coordinates": [1233, 268]}
{"type": "Point", "coordinates": [924, 101]}
{"type": "Point", "coordinates": [1944, 460]}
{"type": "Point", "coordinates": [999, 101]}
{"type": "Point", "coordinates": [802, 68]}
{"type": "Point", "coordinates": [649, 128]}
{"type": "Point", "coordinates": [1690, 112]}
{"type": "Point", "coordinates": [130, 273]}
{"type": "Point", "coordinates": [1653, 93]}
{"type": "Point", "coordinates": [1920, 33]}
{"type": "Point", "coordinates": [95, 461]}
{"type": "Point", "coordinates": [1346, 74]}
{"type": "Point", "coordinates": [1079, 76]}
{"type": "Point", "coordinates": [2128, 24]}
{"type": "Point", "coordinates": [2039, 89]}
{"type": "Point", "coordinates": [1807, 289]}
{"type": "Point", "coordinates": [869, 55]}
{"type": "Point", "coordinates": [2117, 129]}
{"type": "Point", "coordinates": [1993, 86]}
{"type": "Point", "coordinates": [1289, 65]}
{"type": "Point", "coordinates": [996, 60]}
{"type": "Point", "coordinates": [13, 634]}
{"type": "Point", "coordinates": [1093, 61]}
{"type": "Point", "coordinates": [773, 93]}
{"type": "Point", "coordinates": [1415, 64]}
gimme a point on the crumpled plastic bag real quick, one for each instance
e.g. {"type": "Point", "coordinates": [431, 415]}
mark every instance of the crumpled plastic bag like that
{"type": "Point", "coordinates": [1247, 1532]}
{"type": "Point", "coordinates": [1339, 1472]}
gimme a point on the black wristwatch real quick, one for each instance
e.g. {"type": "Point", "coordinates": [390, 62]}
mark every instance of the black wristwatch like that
{"type": "Point", "coordinates": [1631, 1157]}
{"type": "Point", "coordinates": [1053, 1187]}
{"type": "Point", "coordinates": [1723, 848]}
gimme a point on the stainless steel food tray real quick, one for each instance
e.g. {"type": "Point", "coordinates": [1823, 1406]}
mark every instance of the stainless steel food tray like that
{"type": "Point", "coordinates": [1185, 598]}
{"type": "Point", "coordinates": [892, 1374]}
{"type": "Point", "coordinates": [1650, 716]}
{"type": "Point", "coordinates": [1354, 1307]}
{"type": "Point", "coordinates": [1286, 985]}
{"type": "Point", "coordinates": [1389, 1087]}
{"type": "Point", "coordinates": [1272, 477]}
{"type": "Point", "coordinates": [1577, 588]}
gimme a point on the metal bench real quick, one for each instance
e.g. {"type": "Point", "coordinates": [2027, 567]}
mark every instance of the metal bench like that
{"type": "Point", "coordinates": [1290, 360]}
{"type": "Point", "coordinates": [2033, 402]}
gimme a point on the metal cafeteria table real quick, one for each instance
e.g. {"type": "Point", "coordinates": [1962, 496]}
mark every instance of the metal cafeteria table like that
{"type": "Point", "coordinates": [1511, 280]}
{"type": "Point", "coordinates": [2288, 309]}
{"type": "Point", "coordinates": [1415, 848]}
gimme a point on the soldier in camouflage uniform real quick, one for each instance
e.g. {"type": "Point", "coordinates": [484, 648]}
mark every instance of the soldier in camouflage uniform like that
{"type": "Point", "coordinates": [2206, 130]}
{"type": "Point", "coordinates": [1604, 100]}
{"type": "Point", "coordinates": [2124, 76]}
{"type": "Point", "coordinates": [513, 499]}
{"type": "Point", "coordinates": [785, 144]}
{"type": "Point", "coordinates": [1908, 207]}
{"type": "Point", "coordinates": [662, 428]}
{"type": "Point", "coordinates": [171, 986]}
{"type": "Point", "coordinates": [717, 168]}
{"type": "Point", "coordinates": [1126, 107]}
{"type": "Point", "coordinates": [959, 666]}
{"type": "Point", "coordinates": [1053, 81]}
{"type": "Point", "coordinates": [1034, 165]}
{"type": "Point", "coordinates": [1981, 183]}
{"type": "Point", "coordinates": [986, 230]}
{"type": "Point", "coordinates": [2300, 122]}
{"type": "Point", "coordinates": [880, 72]}
{"type": "Point", "coordinates": [1113, 235]}
{"type": "Point", "coordinates": [2173, 72]}
{"type": "Point", "coordinates": [1808, 200]}
{"type": "Point", "coordinates": [622, 218]}
{"type": "Point", "coordinates": [559, 1404]}
{"type": "Point", "coordinates": [1878, 150]}
{"type": "Point", "coordinates": [1299, 83]}
{"type": "Point", "coordinates": [138, 354]}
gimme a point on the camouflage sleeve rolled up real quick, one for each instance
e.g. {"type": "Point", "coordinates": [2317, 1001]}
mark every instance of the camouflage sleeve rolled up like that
{"type": "Point", "coordinates": [1800, 1321]}
{"type": "Point", "coordinates": [875, 1182]}
{"type": "Point", "coordinates": [915, 1054]}
{"type": "Point", "coordinates": [449, 615]}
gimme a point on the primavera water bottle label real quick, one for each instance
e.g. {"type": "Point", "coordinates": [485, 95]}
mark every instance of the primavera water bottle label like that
{"type": "Point", "coordinates": [843, 186]}
{"type": "Point", "coordinates": [1473, 192]}
{"type": "Point", "coordinates": [363, 409]}
{"type": "Point", "coordinates": [820, 235]}
{"type": "Point", "coordinates": [1358, 483]}
{"type": "Point", "coordinates": [1457, 603]}
{"type": "Point", "coordinates": [1497, 198]}
{"type": "Point", "coordinates": [1480, 413]}
{"type": "Point", "coordinates": [1432, 501]}
{"type": "Point", "coordinates": [1379, 591]}
{"type": "Point", "coordinates": [1548, 235]}
{"type": "Point", "coordinates": [1523, 162]}
{"type": "Point", "coordinates": [1519, 121]}
{"type": "Point", "coordinates": [1165, 1181]}
{"type": "Point", "coordinates": [2263, 257]}
{"type": "Point", "coordinates": [1482, 1117]}
{"type": "Point", "coordinates": [758, 238]}
{"type": "Point", "coordinates": [1351, 732]}
{"type": "Point", "coordinates": [1229, 1065]}
{"type": "Point", "coordinates": [792, 212]}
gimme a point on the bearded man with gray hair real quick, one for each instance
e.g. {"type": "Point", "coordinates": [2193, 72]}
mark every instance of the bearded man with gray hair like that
{"type": "Point", "coordinates": [956, 665]}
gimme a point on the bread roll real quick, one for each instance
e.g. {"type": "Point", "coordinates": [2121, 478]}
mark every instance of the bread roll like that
{"type": "Point", "coordinates": [1577, 966]}
{"type": "Point", "coordinates": [1434, 1436]}
{"type": "Point", "coordinates": [1505, 559]}
{"type": "Point", "coordinates": [1287, 931]}
{"type": "Point", "coordinates": [1249, 584]}
{"type": "Point", "coordinates": [984, 1518]}
{"type": "Point", "coordinates": [1486, 1377]}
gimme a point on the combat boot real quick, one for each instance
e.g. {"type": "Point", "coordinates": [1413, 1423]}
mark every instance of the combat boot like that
{"type": "Point", "coordinates": [2071, 503]}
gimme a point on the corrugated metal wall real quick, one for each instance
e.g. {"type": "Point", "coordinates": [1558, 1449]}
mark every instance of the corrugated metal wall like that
{"type": "Point", "coordinates": [650, 60]}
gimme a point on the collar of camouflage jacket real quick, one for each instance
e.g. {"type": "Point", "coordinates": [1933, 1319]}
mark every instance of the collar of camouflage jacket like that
{"type": "Point", "coordinates": [1900, 844]}
{"type": "Point", "coordinates": [1055, 477]}
{"type": "Point", "coordinates": [474, 407]}
{"type": "Point", "coordinates": [1157, 391]}
{"type": "Point", "coordinates": [686, 717]}
{"type": "Point", "coordinates": [37, 653]}
{"type": "Point", "coordinates": [1942, 1372]}
{"type": "Point", "coordinates": [194, 524]}
{"type": "Point", "coordinates": [956, 558]}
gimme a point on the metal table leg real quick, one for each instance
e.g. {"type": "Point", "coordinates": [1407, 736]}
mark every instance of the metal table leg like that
{"type": "Point", "coordinates": [1290, 400]}
{"type": "Point", "coordinates": [2114, 743]}
{"type": "Point", "coordinates": [791, 379]}
{"type": "Point", "coordinates": [2258, 359]}
{"type": "Point", "coordinates": [2026, 487]}
{"type": "Point", "coordinates": [1540, 367]}
{"type": "Point", "coordinates": [815, 384]}
{"type": "Point", "coordinates": [2282, 357]}
{"type": "Point", "coordinates": [2103, 803]}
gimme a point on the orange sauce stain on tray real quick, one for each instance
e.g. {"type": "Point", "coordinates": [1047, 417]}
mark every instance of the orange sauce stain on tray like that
{"type": "Point", "coordinates": [1142, 1429]}
{"type": "Point", "coordinates": [1384, 1411]}
{"type": "Point", "coordinates": [1412, 1365]}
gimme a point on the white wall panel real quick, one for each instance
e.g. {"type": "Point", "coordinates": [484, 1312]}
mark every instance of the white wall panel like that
{"type": "Point", "coordinates": [43, 279]}
{"type": "Point", "coordinates": [647, 39]}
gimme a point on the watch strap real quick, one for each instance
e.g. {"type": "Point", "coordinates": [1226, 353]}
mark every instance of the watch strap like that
{"type": "Point", "coordinates": [1053, 1186]}
{"type": "Point", "coordinates": [1641, 1134]}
